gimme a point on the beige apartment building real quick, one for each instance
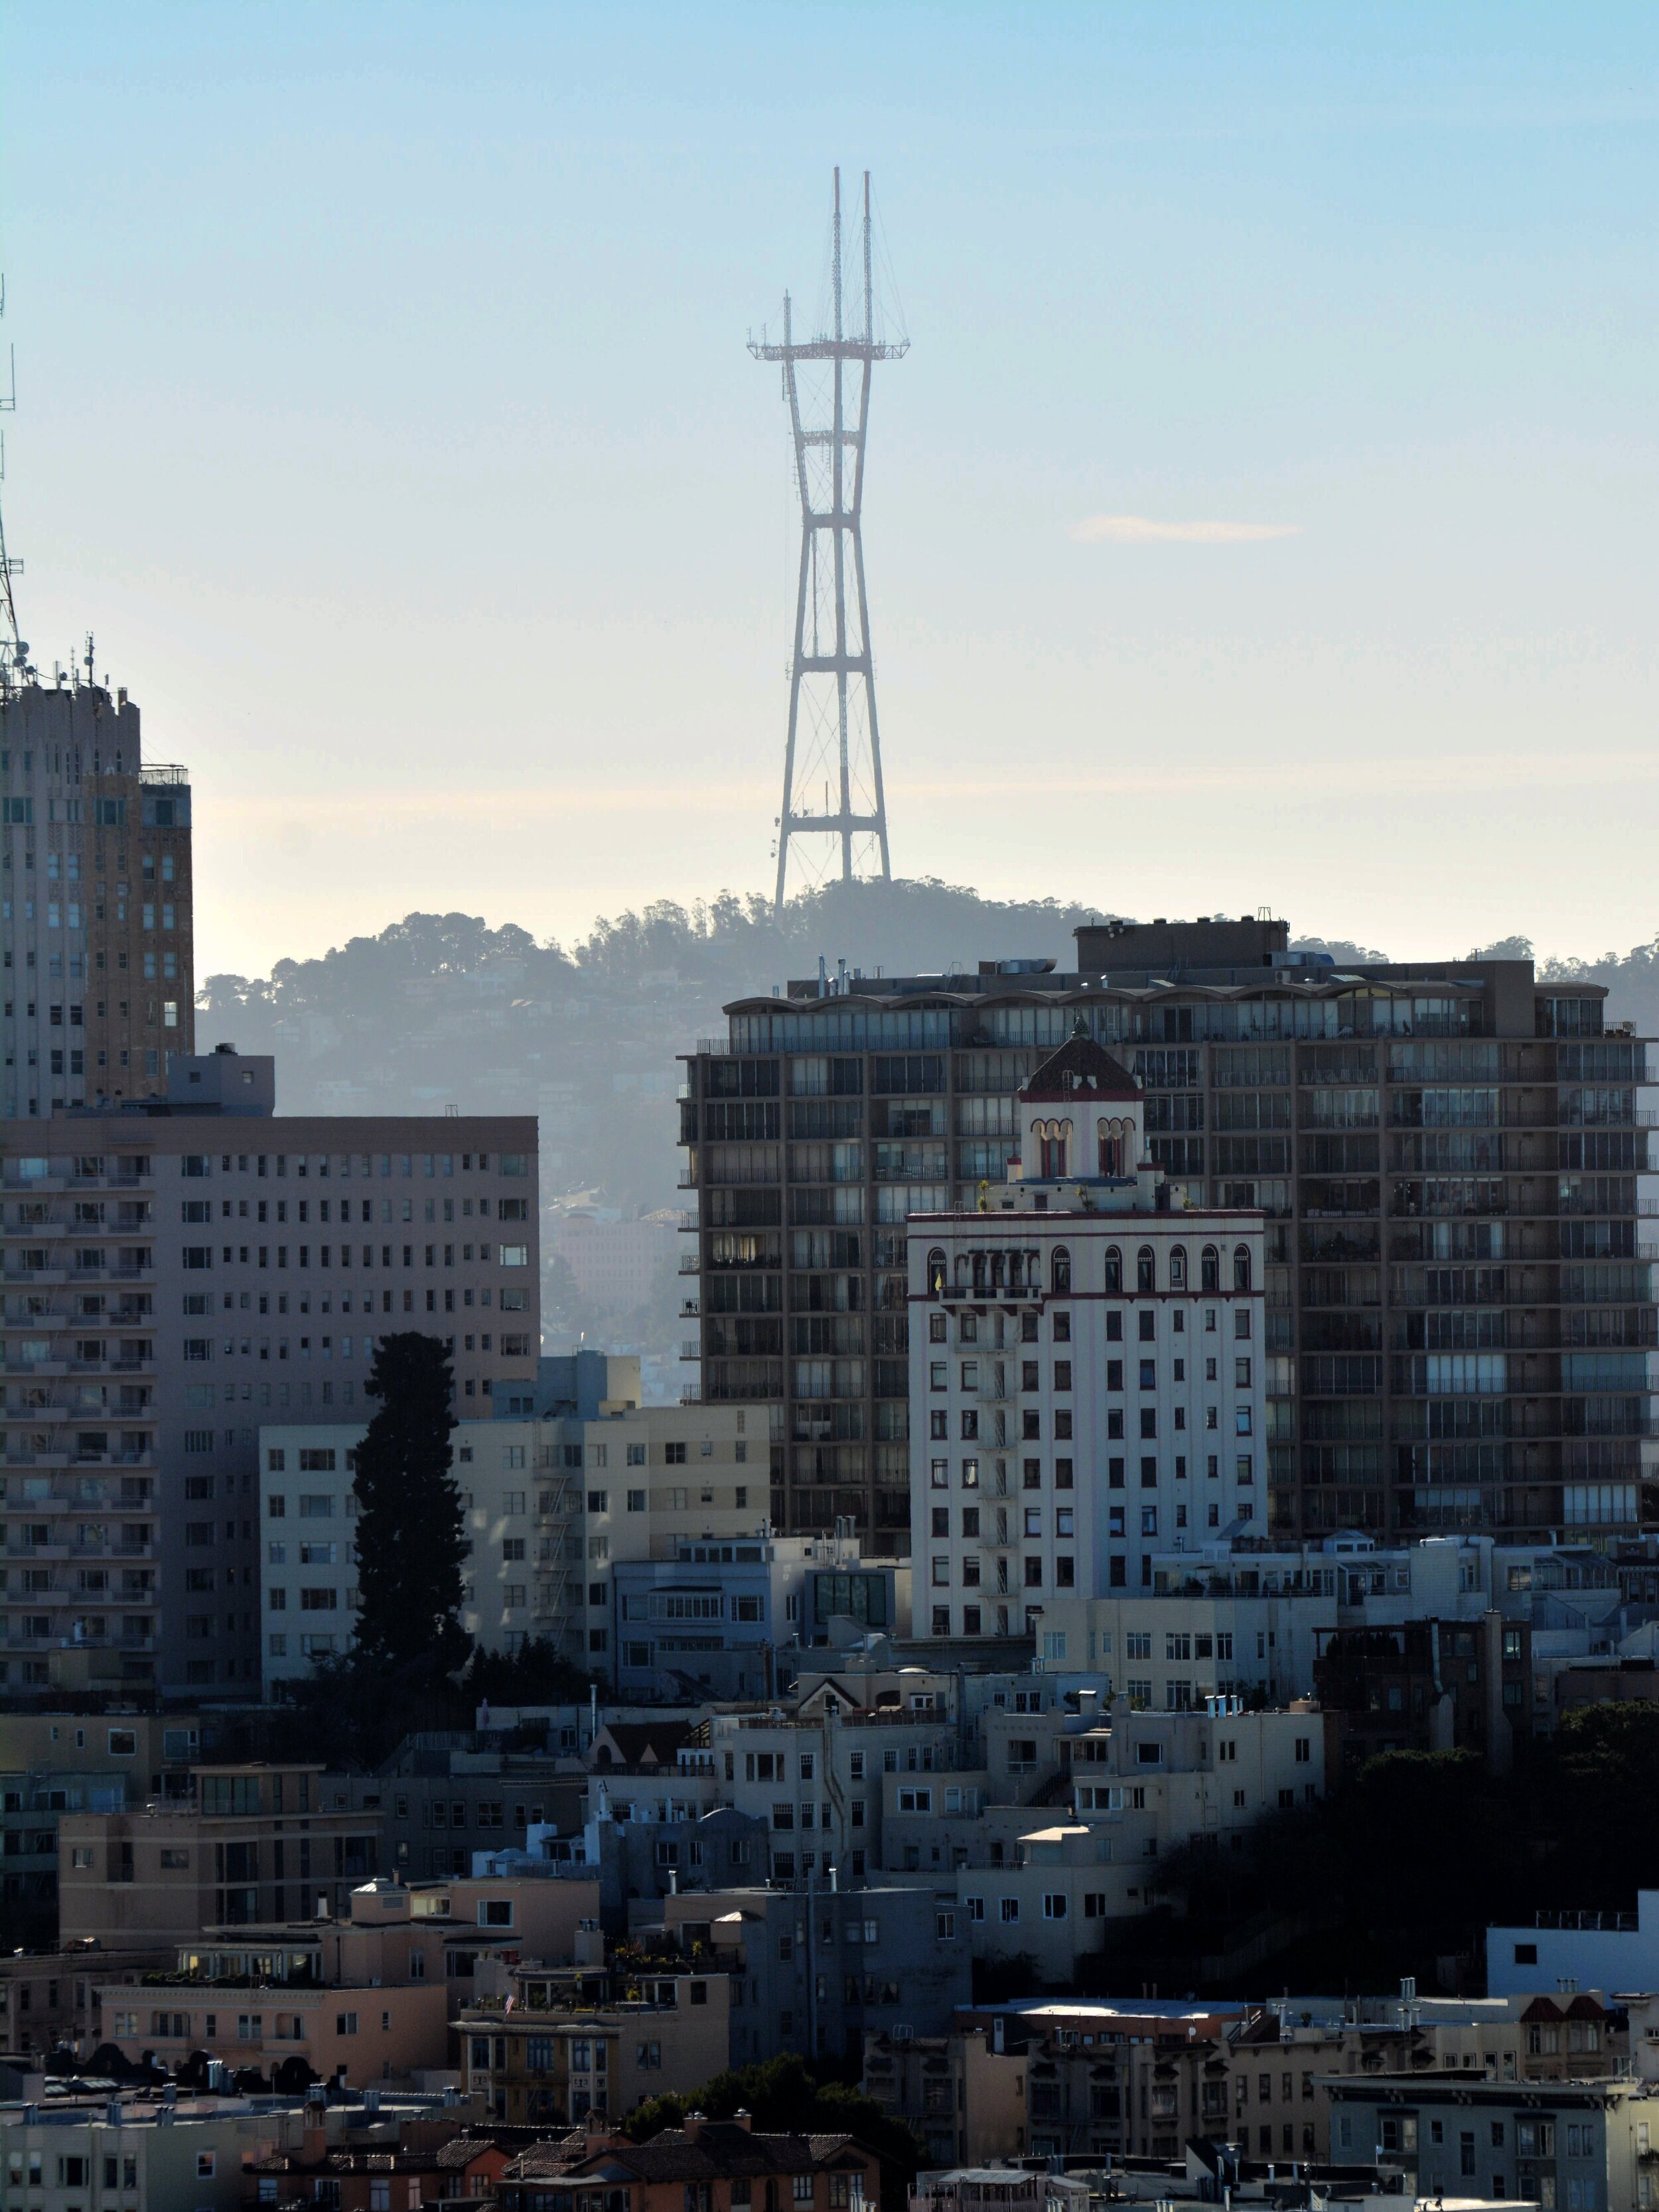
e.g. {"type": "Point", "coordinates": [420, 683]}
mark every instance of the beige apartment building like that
{"type": "Point", "coordinates": [255, 1846]}
{"type": "Point", "coordinates": [374, 2030]}
{"type": "Point", "coordinates": [544, 2061]}
{"type": "Point", "coordinates": [553, 1502]}
{"type": "Point", "coordinates": [966, 2101]}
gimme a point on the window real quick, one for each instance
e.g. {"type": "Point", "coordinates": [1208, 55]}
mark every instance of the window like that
{"type": "Point", "coordinates": [1054, 1904]}
{"type": "Point", "coordinates": [1009, 1909]}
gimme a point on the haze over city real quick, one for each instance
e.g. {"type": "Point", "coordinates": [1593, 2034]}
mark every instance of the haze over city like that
{"type": "Point", "coordinates": [1261, 517]}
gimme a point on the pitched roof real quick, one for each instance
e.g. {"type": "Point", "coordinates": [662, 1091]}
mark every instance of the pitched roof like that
{"type": "Point", "coordinates": [641, 1743]}
{"type": "Point", "coordinates": [1080, 1070]}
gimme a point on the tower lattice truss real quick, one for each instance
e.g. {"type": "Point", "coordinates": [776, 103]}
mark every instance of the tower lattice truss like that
{"type": "Point", "coordinates": [834, 820]}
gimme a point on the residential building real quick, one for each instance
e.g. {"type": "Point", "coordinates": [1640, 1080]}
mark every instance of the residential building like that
{"type": "Point", "coordinates": [724, 2165]}
{"type": "Point", "coordinates": [1459, 1310]}
{"type": "Point", "coordinates": [535, 2059]}
{"type": "Point", "coordinates": [1428, 1686]}
{"type": "Point", "coordinates": [96, 912]}
{"type": "Point", "coordinates": [1259, 1616]}
{"type": "Point", "coordinates": [1281, 2052]}
{"type": "Point", "coordinates": [256, 1846]}
{"type": "Point", "coordinates": [814, 1778]}
{"type": "Point", "coordinates": [817, 1970]}
{"type": "Point", "coordinates": [1088, 1359]}
{"type": "Point", "coordinates": [47, 1996]}
{"type": "Point", "coordinates": [1579, 2146]}
{"type": "Point", "coordinates": [391, 1936]}
{"type": "Point", "coordinates": [464, 2170]}
{"type": "Point", "coordinates": [76, 1763]}
{"type": "Point", "coordinates": [710, 1619]}
{"type": "Point", "coordinates": [554, 1501]}
{"type": "Point", "coordinates": [443, 1804]}
{"type": "Point", "coordinates": [146, 1342]}
{"type": "Point", "coordinates": [1123, 2079]}
{"type": "Point", "coordinates": [145, 2153]}
{"type": "Point", "coordinates": [965, 2101]}
{"type": "Point", "coordinates": [361, 2031]}
{"type": "Point", "coordinates": [1588, 1950]}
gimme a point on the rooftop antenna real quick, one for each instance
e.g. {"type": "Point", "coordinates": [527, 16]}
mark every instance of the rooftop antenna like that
{"type": "Point", "coordinates": [836, 740]}
{"type": "Point", "coordinates": [14, 652]}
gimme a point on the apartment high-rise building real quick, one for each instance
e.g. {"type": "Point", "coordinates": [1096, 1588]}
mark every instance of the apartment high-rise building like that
{"type": "Point", "coordinates": [179, 1273]}
{"type": "Point", "coordinates": [1460, 1310]}
{"type": "Point", "coordinates": [95, 904]}
{"type": "Point", "coordinates": [1085, 1355]}
{"type": "Point", "coordinates": [557, 1495]}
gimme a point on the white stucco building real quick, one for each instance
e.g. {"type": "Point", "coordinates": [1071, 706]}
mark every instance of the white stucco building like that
{"type": "Point", "coordinates": [1086, 1368]}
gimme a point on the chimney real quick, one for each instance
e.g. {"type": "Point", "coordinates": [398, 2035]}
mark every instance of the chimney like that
{"type": "Point", "coordinates": [313, 2137]}
{"type": "Point", "coordinates": [743, 2118]}
{"type": "Point", "coordinates": [692, 2126]}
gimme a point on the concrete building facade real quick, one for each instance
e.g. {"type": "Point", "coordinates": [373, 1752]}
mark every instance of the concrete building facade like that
{"type": "Point", "coordinates": [172, 1281]}
{"type": "Point", "coordinates": [96, 897]}
{"type": "Point", "coordinates": [553, 1506]}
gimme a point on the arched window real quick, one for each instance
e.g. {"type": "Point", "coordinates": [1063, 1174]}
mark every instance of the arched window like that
{"type": "Point", "coordinates": [962, 1271]}
{"type": "Point", "coordinates": [1114, 1269]}
{"type": "Point", "coordinates": [1241, 1267]}
{"type": "Point", "coordinates": [998, 1263]}
{"type": "Point", "coordinates": [1144, 1273]}
{"type": "Point", "coordinates": [1061, 1271]}
{"type": "Point", "coordinates": [1209, 1268]}
{"type": "Point", "coordinates": [936, 1273]}
{"type": "Point", "coordinates": [1053, 1149]}
{"type": "Point", "coordinates": [1109, 1138]}
{"type": "Point", "coordinates": [1178, 1268]}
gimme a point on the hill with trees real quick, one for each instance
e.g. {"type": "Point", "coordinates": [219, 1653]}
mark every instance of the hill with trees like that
{"type": "Point", "coordinates": [442, 1009]}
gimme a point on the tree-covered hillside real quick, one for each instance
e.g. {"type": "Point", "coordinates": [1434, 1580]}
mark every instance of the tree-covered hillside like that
{"type": "Point", "coordinates": [441, 1009]}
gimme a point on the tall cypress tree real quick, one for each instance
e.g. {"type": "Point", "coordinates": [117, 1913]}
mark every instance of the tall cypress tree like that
{"type": "Point", "coordinates": [410, 1541]}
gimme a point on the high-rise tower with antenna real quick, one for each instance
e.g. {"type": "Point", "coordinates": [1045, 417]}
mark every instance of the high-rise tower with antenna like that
{"type": "Point", "coordinates": [96, 939]}
{"type": "Point", "coordinates": [832, 785]}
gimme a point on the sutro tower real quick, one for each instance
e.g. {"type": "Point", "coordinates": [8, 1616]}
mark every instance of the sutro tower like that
{"type": "Point", "coordinates": [834, 748]}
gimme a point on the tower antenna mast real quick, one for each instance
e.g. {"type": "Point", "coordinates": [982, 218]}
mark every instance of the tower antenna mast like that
{"type": "Point", "coordinates": [834, 744]}
{"type": "Point", "coordinates": [14, 669]}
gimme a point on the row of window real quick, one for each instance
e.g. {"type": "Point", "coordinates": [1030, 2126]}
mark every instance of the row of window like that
{"type": "Point", "coordinates": [201, 1209]}
{"type": "Point", "coordinates": [978, 1272]}
{"type": "Point", "coordinates": [322, 1165]}
{"type": "Point", "coordinates": [506, 1256]}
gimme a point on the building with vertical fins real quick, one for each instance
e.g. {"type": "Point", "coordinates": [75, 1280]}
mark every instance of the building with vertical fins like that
{"type": "Point", "coordinates": [95, 904]}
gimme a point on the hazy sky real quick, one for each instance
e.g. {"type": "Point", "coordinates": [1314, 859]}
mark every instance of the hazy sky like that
{"type": "Point", "coordinates": [383, 406]}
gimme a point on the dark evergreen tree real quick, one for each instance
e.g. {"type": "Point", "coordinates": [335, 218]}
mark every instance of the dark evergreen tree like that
{"type": "Point", "coordinates": [410, 1541]}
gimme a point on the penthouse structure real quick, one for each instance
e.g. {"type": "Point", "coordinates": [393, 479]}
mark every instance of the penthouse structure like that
{"type": "Point", "coordinates": [178, 1272]}
{"type": "Point", "coordinates": [1446, 1153]}
{"type": "Point", "coordinates": [95, 904]}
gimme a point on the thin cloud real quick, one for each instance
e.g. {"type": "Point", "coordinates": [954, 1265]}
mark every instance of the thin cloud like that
{"type": "Point", "coordinates": [1143, 529]}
